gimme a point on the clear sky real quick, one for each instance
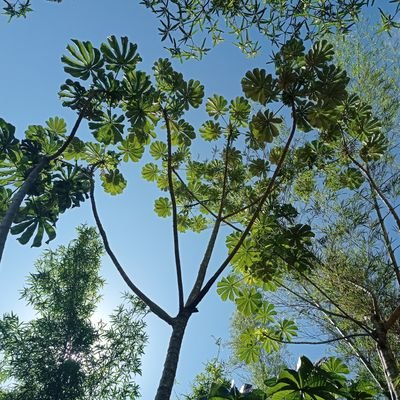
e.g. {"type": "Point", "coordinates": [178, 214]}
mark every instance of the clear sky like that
{"type": "Point", "coordinates": [30, 76]}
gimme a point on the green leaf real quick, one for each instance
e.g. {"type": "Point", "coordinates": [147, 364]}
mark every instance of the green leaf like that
{"type": "Point", "coordinates": [248, 301]}
{"type": "Point", "coordinates": [210, 130]}
{"type": "Point", "coordinates": [162, 207]}
{"type": "Point", "coordinates": [150, 172]}
{"type": "Point", "coordinates": [120, 56]}
{"type": "Point", "coordinates": [320, 53]}
{"type": "Point", "coordinates": [266, 313]}
{"type": "Point", "coordinates": [216, 106]}
{"type": "Point", "coordinates": [335, 365]}
{"type": "Point", "coordinates": [158, 150]}
{"type": "Point", "coordinates": [259, 86]}
{"type": "Point", "coordinates": [83, 59]}
{"type": "Point", "coordinates": [131, 148]}
{"type": "Point", "coordinates": [108, 128]}
{"type": "Point", "coordinates": [192, 93]}
{"type": "Point", "coordinates": [228, 288]}
{"type": "Point", "coordinates": [246, 256]}
{"type": "Point", "coordinates": [239, 111]}
{"type": "Point", "coordinates": [287, 329]}
{"type": "Point", "coordinates": [113, 182]}
{"type": "Point", "coordinates": [57, 126]}
{"type": "Point", "coordinates": [265, 126]}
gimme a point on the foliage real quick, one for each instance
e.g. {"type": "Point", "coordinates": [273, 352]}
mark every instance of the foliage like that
{"type": "Point", "coordinates": [61, 353]}
{"type": "Point", "coordinates": [193, 27]}
{"type": "Point", "coordinates": [325, 380]}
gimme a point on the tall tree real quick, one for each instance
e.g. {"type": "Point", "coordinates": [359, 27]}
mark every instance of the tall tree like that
{"type": "Point", "coordinates": [352, 289]}
{"type": "Point", "coordinates": [62, 354]}
{"type": "Point", "coordinates": [236, 187]}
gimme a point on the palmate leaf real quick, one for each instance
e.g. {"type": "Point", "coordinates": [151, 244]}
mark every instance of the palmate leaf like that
{"type": "Point", "coordinates": [265, 126]}
{"type": "Point", "coordinates": [182, 133]}
{"type": "Point", "coordinates": [248, 350]}
{"type": "Point", "coordinates": [150, 172]}
{"type": "Point", "coordinates": [320, 53]}
{"type": "Point", "coordinates": [37, 216]}
{"type": "Point", "coordinates": [70, 187]}
{"type": "Point", "coordinates": [266, 313]}
{"type": "Point", "coordinates": [352, 178]}
{"type": "Point", "coordinates": [113, 182]}
{"type": "Point", "coordinates": [246, 256]}
{"type": "Point", "coordinates": [5, 200]}
{"type": "Point", "coordinates": [191, 93]}
{"type": "Point", "coordinates": [158, 150]}
{"type": "Point", "coordinates": [56, 126]}
{"type": "Point", "coordinates": [83, 59]}
{"type": "Point", "coordinates": [210, 130]}
{"type": "Point", "coordinates": [336, 366]}
{"type": "Point", "coordinates": [248, 301]}
{"type": "Point", "coordinates": [131, 148]}
{"type": "Point", "coordinates": [162, 207]}
{"type": "Point", "coordinates": [216, 106]}
{"type": "Point", "coordinates": [239, 110]}
{"type": "Point", "coordinates": [120, 56]}
{"type": "Point", "coordinates": [228, 288]}
{"type": "Point", "coordinates": [108, 128]}
{"type": "Point", "coordinates": [374, 147]}
{"type": "Point", "coordinates": [8, 141]}
{"type": "Point", "coordinates": [259, 86]}
{"type": "Point", "coordinates": [75, 150]}
{"type": "Point", "coordinates": [286, 329]}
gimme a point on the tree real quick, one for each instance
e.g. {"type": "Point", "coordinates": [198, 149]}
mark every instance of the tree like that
{"type": "Point", "coordinates": [62, 354]}
{"type": "Point", "coordinates": [352, 289]}
{"type": "Point", "coordinates": [237, 186]}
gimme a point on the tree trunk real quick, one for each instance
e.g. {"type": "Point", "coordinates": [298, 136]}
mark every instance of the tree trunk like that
{"type": "Point", "coordinates": [171, 361]}
{"type": "Point", "coordinates": [389, 363]}
{"type": "Point", "coordinates": [18, 198]}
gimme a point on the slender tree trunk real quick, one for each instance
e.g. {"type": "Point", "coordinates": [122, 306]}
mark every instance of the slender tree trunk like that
{"type": "Point", "coordinates": [389, 363]}
{"type": "Point", "coordinates": [171, 361]}
{"type": "Point", "coordinates": [18, 198]}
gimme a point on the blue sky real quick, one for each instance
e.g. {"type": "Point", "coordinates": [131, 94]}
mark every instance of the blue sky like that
{"type": "Point", "coordinates": [30, 76]}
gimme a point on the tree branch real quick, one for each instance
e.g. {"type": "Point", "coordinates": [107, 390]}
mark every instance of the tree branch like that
{"type": "Point", "coordinates": [174, 214]}
{"type": "Point", "coordinates": [214, 234]}
{"type": "Point", "coordinates": [385, 235]}
{"type": "Point", "coordinates": [336, 339]}
{"type": "Point", "coordinates": [157, 310]}
{"type": "Point", "coordinates": [253, 219]}
{"type": "Point", "coordinates": [393, 318]}
{"type": "Point", "coordinates": [202, 202]}
{"type": "Point", "coordinates": [371, 180]}
{"type": "Point", "coordinates": [19, 196]}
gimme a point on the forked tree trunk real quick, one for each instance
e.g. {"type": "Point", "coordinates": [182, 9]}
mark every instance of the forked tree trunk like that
{"type": "Point", "coordinates": [171, 361]}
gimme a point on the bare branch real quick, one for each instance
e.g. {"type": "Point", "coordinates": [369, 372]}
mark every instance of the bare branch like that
{"type": "Point", "coordinates": [178, 265]}
{"type": "Point", "coordinates": [157, 310]}
{"type": "Point", "coordinates": [214, 234]}
{"type": "Point", "coordinates": [336, 339]}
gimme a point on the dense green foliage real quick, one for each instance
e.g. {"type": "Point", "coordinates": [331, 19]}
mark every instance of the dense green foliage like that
{"type": "Point", "coordinates": [62, 354]}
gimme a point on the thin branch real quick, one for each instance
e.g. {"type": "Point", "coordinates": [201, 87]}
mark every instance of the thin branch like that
{"type": "Point", "coordinates": [336, 339]}
{"type": "Point", "coordinates": [385, 234]}
{"type": "Point", "coordinates": [157, 310]}
{"type": "Point", "coordinates": [178, 265]}
{"type": "Point", "coordinates": [202, 202]}
{"type": "Point", "coordinates": [313, 303]}
{"type": "Point", "coordinates": [360, 324]}
{"type": "Point", "coordinates": [214, 234]}
{"type": "Point", "coordinates": [372, 182]}
{"type": "Point", "coordinates": [253, 219]}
